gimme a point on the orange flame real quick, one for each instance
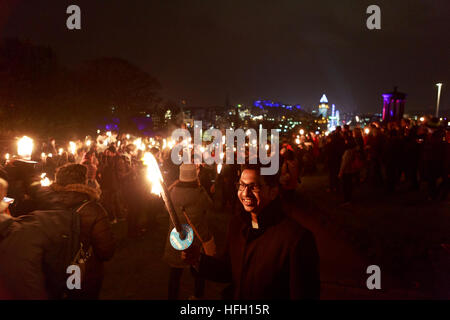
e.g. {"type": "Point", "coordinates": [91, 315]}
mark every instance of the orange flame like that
{"type": "Point", "coordinates": [153, 173]}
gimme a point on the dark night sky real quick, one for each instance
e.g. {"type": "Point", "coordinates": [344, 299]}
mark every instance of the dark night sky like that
{"type": "Point", "coordinates": [286, 50]}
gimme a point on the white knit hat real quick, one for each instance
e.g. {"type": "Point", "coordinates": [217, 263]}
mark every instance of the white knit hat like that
{"type": "Point", "coordinates": [3, 192]}
{"type": "Point", "coordinates": [188, 172]}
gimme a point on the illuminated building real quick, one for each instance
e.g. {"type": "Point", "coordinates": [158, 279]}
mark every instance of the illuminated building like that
{"type": "Point", "coordinates": [393, 105]}
{"type": "Point", "coordinates": [323, 106]}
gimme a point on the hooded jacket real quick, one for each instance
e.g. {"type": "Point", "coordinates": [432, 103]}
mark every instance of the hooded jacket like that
{"type": "Point", "coordinates": [95, 229]}
{"type": "Point", "coordinates": [21, 270]}
{"type": "Point", "coordinates": [21, 274]}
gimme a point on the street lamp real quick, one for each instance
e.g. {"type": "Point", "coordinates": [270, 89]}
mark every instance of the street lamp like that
{"type": "Point", "coordinates": [439, 85]}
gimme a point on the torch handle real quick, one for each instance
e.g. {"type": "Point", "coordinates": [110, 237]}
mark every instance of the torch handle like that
{"type": "Point", "coordinates": [172, 212]}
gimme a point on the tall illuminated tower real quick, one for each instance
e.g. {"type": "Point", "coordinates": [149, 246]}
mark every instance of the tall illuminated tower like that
{"type": "Point", "coordinates": [323, 106]}
{"type": "Point", "coordinates": [333, 118]}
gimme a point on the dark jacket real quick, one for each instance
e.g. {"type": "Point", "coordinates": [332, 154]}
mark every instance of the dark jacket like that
{"type": "Point", "coordinates": [21, 274]}
{"type": "Point", "coordinates": [277, 261]}
{"type": "Point", "coordinates": [95, 229]}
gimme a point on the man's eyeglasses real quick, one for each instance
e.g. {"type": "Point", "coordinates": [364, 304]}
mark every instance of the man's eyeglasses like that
{"type": "Point", "coordinates": [253, 187]}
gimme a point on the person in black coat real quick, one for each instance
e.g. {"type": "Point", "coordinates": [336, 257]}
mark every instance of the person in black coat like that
{"type": "Point", "coordinates": [268, 255]}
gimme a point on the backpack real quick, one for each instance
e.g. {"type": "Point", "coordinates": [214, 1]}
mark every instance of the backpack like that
{"type": "Point", "coordinates": [55, 245]}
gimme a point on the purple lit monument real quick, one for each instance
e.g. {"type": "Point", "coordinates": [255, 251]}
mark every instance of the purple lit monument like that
{"type": "Point", "coordinates": [393, 105]}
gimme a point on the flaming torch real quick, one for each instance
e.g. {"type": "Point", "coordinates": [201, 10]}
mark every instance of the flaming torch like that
{"type": "Point", "coordinates": [72, 147]}
{"type": "Point", "coordinates": [45, 181]}
{"type": "Point", "coordinates": [25, 147]}
{"type": "Point", "coordinates": [181, 236]}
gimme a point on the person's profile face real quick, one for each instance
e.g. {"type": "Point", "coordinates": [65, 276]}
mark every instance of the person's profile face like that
{"type": "Point", "coordinates": [252, 192]}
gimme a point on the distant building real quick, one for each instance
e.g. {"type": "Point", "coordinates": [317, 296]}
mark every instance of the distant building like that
{"type": "Point", "coordinates": [323, 106]}
{"type": "Point", "coordinates": [393, 105]}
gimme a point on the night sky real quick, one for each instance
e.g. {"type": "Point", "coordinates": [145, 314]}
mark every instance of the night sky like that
{"type": "Point", "coordinates": [291, 51]}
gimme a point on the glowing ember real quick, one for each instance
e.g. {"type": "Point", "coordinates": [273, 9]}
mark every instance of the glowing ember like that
{"type": "Point", "coordinates": [153, 173]}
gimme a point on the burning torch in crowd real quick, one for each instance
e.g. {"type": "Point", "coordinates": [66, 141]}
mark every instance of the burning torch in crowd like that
{"type": "Point", "coordinates": [182, 236]}
{"type": "Point", "coordinates": [25, 147]}
{"type": "Point", "coordinates": [45, 181]}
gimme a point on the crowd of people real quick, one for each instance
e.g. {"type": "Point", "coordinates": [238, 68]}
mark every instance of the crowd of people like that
{"type": "Point", "coordinates": [382, 155]}
{"type": "Point", "coordinates": [105, 183]}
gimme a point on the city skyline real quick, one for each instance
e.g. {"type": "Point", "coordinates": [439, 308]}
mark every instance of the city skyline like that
{"type": "Point", "coordinates": [288, 51]}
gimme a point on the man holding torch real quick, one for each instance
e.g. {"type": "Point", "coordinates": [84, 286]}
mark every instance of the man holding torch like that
{"type": "Point", "coordinates": [268, 255]}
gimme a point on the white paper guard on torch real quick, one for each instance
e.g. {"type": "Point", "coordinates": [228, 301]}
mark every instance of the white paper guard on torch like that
{"type": "Point", "coordinates": [182, 236]}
